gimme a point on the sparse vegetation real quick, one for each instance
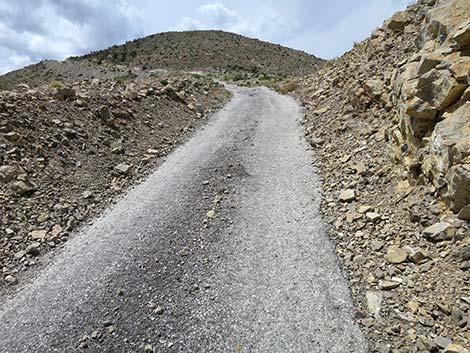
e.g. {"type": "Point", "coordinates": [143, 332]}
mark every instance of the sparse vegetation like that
{"type": "Point", "coordinates": [56, 84]}
{"type": "Point", "coordinates": [287, 87]}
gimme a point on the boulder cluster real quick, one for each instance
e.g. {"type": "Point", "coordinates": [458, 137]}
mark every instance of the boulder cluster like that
{"type": "Point", "coordinates": [390, 124]}
{"type": "Point", "coordinates": [67, 152]}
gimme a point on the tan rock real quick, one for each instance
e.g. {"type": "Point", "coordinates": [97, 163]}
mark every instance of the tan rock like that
{"type": "Point", "coordinates": [7, 173]}
{"type": "Point", "coordinates": [450, 143]}
{"type": "Point", "coordinates": [460, 69]}
{"type": "Point", "coordinates": [396, 255]}
{"type": "Point", "coordinates": [347, 195]}
{"type": "Point", "coordinates": [420, 109]}
{"type": "Point", "coordinates": [458, 183]}
{"type": "Point", "coordinates": [455, 348]}
{"type": "Point", "coordinates": [388, 285]}
{"type": "Point", "coordinates": [321, 110]}
{"type": "Point", "coordinates": [399, 21]}
{"type": "Point", "coordinates": [439, 88]}
{"type": "Point", "coordinates": [429, 62]}
{"type": "Point", "coordinates": [38, 234]}
{"type": "Point", "coordinates": [462, 34]}
{"type": "Point", "coordinates": [445, 18]}
{"type": "Point", "coordinates": [439, 231]}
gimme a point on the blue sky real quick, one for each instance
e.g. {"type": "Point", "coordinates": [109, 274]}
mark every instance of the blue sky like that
{"type": "Point", "coordinates": [32, 30]}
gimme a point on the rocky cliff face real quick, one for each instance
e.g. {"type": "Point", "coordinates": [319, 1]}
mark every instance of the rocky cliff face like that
{"type": "Point", "coordinates": [390, 121]}
{"type": "Point", "coordinates": [430, 97]}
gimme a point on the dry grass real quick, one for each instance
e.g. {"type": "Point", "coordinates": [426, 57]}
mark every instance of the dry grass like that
{"type": "Point", "coordinates": [287, 87]}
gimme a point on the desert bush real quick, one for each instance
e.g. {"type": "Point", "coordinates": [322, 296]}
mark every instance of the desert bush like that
{"type": "Point", "coordinates": [287, 87]}
{"type": "Point", "coordinates": [56, 84]}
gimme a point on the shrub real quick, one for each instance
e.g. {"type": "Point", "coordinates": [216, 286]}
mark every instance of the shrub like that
{"type": "Point", "coordinates": [56, 84]}
{"type": "Point", "coordinates": [287, 87]}
{"type": "Point", "coordinates": [122, 79]}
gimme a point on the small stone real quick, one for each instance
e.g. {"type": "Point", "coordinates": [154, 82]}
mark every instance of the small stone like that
{"type": "Point", "coordinates": [439, 231]}
{"type": "Point", "coordinates": [87, 194]}
{"type": "Point", "coordinates": [388, 285]}
{"type": "Point", "coordinates": [376, 245]}
{"type": "Point", "coordinates": [148, 348]}
{"type": "Point", "coordinates": [12, 136]}
{"type": "Point", "coordinates": [64, 93]}
{"type": "Point", "coordinates": [56, 231]}
{"type": "Point", "coordinates": [33, 248]}
{"type": "Point", "coordinates": [211, 214]}
{"type": "Point", "coordinates": [95, 334]}
{"type": "Point", "coordinates": [442, 342]}
{"type": "Point", "coordinates": [22, 187]}
{"type": "Point", "coordinates": [347, 195]}
{"type": "Point", "coordinates": [396, 255]}
{"type": "Point", "coordinates": [373, 217]}
{"type": "Point", "coordinates": [123, 168]}
{"type": "Point", "coordinates": [364, 209]}
{"type": "Point", "coordinates": [7, 173]}
{"type": "Point", "coordinates": [418, 255]}
{"type": "Point", "coordinates": [455, 348]}
{"type": "Point", "coordinates": [19, 255]}
{"type": "Point", "coordinates": [11, 279]}
{"type": "Point", "coordinates": [374, 302]}
{"type": "Point", "coordinates": [42, 218]}
{"type": "Point", "coordinates": [158, 310]}
{"type": "Point", "coordinates": [117, 147]}
{"type": "Point", "coordinates": [39, 234]}
{"type": "Point", "coordinates": [424, 344]}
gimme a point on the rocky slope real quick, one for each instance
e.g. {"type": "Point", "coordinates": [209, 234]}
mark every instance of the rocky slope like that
{"type": "Point", "coordinates": [67, 152]}
{"type": "Point", "coordinates": [189, 51]}
{"type": "Point", "coordinates": [391, 123]}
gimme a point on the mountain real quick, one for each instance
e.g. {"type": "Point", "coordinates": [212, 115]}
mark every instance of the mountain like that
{"type": "Point", "coordinates": [188, 51]}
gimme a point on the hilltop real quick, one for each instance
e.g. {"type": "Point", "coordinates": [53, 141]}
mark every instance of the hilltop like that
{"type": "Point", "coordinates": [188, 51]}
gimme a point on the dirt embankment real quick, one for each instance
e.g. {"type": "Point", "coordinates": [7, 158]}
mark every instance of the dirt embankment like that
{"type": "Point", "coordinates": [66, 153]}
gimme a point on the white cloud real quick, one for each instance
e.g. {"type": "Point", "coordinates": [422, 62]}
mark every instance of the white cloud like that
{"type": "Point", "coordinates": [267, 23]}
{"type": "Point", "coordinates": [32, 30]}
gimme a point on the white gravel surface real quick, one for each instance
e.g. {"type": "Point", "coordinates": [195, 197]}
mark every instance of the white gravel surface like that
{"type": "Point", "coordinates": [259, 277]}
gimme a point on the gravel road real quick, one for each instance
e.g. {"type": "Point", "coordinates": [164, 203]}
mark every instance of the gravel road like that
{"type": "Point", "coordinates": [221, 249]}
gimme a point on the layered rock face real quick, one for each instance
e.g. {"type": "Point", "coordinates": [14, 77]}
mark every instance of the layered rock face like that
{"type": "Point", "coordinates": [430, 98]}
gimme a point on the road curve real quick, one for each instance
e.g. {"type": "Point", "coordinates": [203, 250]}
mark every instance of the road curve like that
{"type": "Point", "coordinates": [221, 249]}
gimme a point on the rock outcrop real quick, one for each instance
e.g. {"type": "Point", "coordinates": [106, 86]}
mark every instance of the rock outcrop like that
{"type": "Point", "coordinates": [390, 124]}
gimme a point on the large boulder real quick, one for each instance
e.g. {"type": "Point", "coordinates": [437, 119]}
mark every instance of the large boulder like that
{"type": "Point", "coordinates": [439, 88]}
{"type": "Point", "coordinates": [450, 142]}
{"type": "Point", "coordinates": [446, 18]}
{"type": "Point", "coordinates": [462, 34]}
{"type": "Point", "coordinates": [458, 187]}
{"type": "Point", "coordinates": [399, 21]}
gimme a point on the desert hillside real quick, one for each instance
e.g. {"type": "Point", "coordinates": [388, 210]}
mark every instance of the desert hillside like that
{"type": "Point", "coordinates": [390, 121]}
{"type": "Point", "coordinates": [214, 51]}
{"type": "Point", "coordinates": [238, 229]}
